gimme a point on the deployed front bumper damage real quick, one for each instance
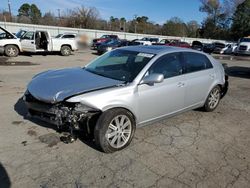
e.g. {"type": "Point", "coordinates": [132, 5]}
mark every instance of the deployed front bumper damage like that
{"type": "Point", "coordinates": [74, 116]}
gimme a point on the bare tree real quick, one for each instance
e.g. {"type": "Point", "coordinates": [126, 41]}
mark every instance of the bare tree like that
{"type": "Point", "coordinates": [83, 17]}
{"type": "Point", "coordinates": [5, 16]}
{"type": "Point", "coordinates": [49, 19]}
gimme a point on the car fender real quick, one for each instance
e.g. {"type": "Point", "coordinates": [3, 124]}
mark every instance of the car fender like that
{"type": "Point", "coordinates": [106, 99]}
{"type": "Point", "coordinates": [118, 104]}
{"type": "Point", "coordinates": [15, 42]}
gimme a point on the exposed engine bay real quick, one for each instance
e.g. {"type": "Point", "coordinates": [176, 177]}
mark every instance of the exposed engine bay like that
{"type": "Point", "coordinates": [66, 116]}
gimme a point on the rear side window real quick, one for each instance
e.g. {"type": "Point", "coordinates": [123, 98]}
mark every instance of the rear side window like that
{"type": "Point", "coordinates": [196, 62]}
{"type": "Point", "coordinates": [68, 36]}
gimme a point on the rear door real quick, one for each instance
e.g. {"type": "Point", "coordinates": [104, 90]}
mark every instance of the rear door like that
{"type": "Point", "coordinates": [199, 75]}
{"type": "Point", "coordinates": [28, 42]}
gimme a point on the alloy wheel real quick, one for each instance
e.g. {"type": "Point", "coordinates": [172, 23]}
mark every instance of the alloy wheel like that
{"type": "Point", "coordinates": [66, 51]}
{"type": "Point", "coordinates": [11, 51]}
{"type": "Point", "coordinates": [119, 131]}
{"type": "Point", "coordinates": [214, 98]}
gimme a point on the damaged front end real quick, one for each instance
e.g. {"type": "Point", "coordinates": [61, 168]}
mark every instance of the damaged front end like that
{"type": "Point", "coordinates": [72, 116]}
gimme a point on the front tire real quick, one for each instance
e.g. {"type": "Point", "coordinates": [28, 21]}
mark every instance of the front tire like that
{"type": "Point", "coordinates": [65, 50]}
{"type": "Point", "coordinates": [11, 51]}
{"type": "Point", "coordinates": [213, 99]}
{"type": "Point", "coordinates": [114, 130]}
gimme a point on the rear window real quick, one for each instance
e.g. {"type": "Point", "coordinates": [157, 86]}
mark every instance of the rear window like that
{"type": "Point", "coordinates": [69, 36]}
{"type": "Point", "coordinates": [196, 62]}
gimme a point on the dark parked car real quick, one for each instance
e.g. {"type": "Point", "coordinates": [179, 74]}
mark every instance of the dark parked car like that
{"type": "Point", "coordinates": [179, 44]}
{"type": "Point", "coordinates": [152, 40]}
{"type": "Point", "coordinates": [134, 42]}
{"type": "Point", "coordinates": [110, 45]}
{"type": "Point", "coordinates": [218, 47]}
{"type": "Point", "coordinates": [104, 38]}
{"type": "Point", "coordinates": [215, 47]}
{"type": "Point", "coordinates": [174, 42]}
{"type": "Point", "coordinates": [197, 45]}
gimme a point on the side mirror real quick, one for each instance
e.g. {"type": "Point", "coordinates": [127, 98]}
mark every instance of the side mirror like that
{"type": "Point", "coordinates": [152, 79]}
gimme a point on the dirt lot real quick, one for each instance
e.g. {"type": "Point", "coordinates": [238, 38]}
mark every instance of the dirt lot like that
{"type": "Point", "coordinates": [195, 149]}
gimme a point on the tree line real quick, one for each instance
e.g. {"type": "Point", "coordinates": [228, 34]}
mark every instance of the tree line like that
{"type": "Point", "coordinates": [227, 20]}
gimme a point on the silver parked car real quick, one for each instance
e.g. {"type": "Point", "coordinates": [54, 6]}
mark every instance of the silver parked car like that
{"type": "Point", "coordinates": [125, 89]}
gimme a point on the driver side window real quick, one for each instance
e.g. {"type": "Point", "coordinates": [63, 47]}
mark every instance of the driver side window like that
{"type": "Point", "coordinates": [28, 36]}
{"type": "Point", "coordinates": [169, 65]}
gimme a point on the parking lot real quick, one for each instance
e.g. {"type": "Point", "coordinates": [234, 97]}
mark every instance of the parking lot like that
{"type": "Point", "coordinates": [195, 149]}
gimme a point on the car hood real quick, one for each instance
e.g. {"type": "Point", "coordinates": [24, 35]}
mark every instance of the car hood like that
{"type": "Point", "coordinates": [55, 86]}
{"type": "Point", "coordinates": [245, 43]}
{"type": "Point", "coordinates": [6, 31]}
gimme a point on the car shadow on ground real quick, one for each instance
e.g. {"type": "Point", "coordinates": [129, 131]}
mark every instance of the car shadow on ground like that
{"type": "Point", "coordinates": [3, 59]}
{"type": "Point", "coordinates": [30, 54]}
{"type": "Point", "coordinates": [22, 110]}
{"type": "Point", "coordinates": [95, 53]}
{"type": "Point", "coordinates": [237, 71]}
{"type": "Point", "coordinates": [4, 177]}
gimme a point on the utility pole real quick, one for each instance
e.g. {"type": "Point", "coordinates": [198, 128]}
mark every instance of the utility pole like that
{"type": "Point", "coordinates": [9, 10]}
{"type": "Point", "coordinates": [135, 21]}
{"type": "Point", "coordinates": [59, 13]}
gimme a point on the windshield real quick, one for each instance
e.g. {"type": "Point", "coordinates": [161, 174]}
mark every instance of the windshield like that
{"type": "Point", "coordinates": [245, 40]}
{"type": "Point", "coordinates": [164, 41]}
{"type": "Point", "coordinates": [112, 42]}
{"type": "Point", "coordinates": [5, 34]}
{"type": "Point", "coordinates": [20, 33]}
{"type": "Point", "coordinates": [105, 36]}
{"type": "Point", "coordinates": [58, 36]}
{"type": "Point", "coordinates": [120, 64]}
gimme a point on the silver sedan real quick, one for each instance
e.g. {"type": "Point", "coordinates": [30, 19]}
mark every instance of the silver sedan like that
{"type": "Point", "coordinates": [125, 89]}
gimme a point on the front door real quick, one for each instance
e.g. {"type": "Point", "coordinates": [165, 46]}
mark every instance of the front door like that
{"type": "Point", "coordinates": [166, 98]}
{"type": "Point", "coordinates": [28, 42]}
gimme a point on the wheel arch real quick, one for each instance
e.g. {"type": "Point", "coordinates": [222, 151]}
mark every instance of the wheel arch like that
{"type": "Point", "coordinates": [122, 107]}
{"type": "Point", "coordinates": [18, 47]}
{"type": "Point", "coordinates": [66, 45]}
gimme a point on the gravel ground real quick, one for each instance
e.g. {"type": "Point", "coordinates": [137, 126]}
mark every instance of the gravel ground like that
{"type": "Point", "coordinates": [195, 149]}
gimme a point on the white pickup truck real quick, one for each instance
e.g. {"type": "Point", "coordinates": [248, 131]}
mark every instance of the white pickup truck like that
{"type": "Point", "coordinates": [243, 46]}
{"type": "Point", "coordinates": [35, 41]}
{"type": "Point", "coordinates": [147, 41]}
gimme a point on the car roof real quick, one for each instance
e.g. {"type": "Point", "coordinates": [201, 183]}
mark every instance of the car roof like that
{"type": "Point", "coordinates": [69, 34]}
{"type": "Point", "coordinates": [155, 49]}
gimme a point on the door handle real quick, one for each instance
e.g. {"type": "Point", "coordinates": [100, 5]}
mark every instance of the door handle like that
{"type": "Point", "coordinates": [32, 42]}
{"type": "Point", "coordinates": [180, 84]}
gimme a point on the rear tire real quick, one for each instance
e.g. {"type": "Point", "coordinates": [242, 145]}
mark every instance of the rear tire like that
{"type": "Point", "coordinates": [213, 99]}
{"type": "Point", "coordinates": [11, 51]}
{"type": "Point", "coordinates": [65, 50]}
{"type": "Point", "coordinates": [114, 130]}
